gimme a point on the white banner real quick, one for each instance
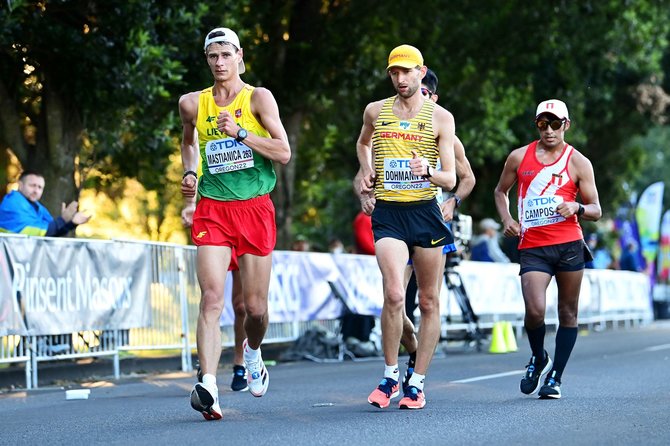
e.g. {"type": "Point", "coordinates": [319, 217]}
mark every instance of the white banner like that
{"type": "Point", "coordinates": [301, 289]}
{"type": "Point", "coordinates": [63, 285]}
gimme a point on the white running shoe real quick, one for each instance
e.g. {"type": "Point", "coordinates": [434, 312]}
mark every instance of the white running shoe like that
{"type": "Point", "coordinates": [205, 399]}
{"type": "Point", "coordinates": [258, 377]}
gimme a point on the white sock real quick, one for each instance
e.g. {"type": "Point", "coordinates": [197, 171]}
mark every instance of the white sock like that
{"type": "Point", "coordinates": [417, 381]}
{"type": "Point", "coordinates": [391, 371]}
{"type": "Point", "coordinates": [209, 380]}
{"type": "Point", "coordinates": [250, 354]}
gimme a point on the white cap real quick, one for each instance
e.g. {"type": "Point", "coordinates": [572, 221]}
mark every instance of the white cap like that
{"type": "Point", "coordinates": [553, 106]}
{"type": "Point", "coordinates": [489, 223]}
{"type": "Point", "coordinates": [227, 36]}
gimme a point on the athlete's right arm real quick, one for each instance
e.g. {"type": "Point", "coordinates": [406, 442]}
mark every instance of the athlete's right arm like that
{"type": "Point", "coordinates": [188, 111]}
{"type": "Point", "coordinates": [501, 192]}
{"type": "Point", "coordinates": [364, 147]}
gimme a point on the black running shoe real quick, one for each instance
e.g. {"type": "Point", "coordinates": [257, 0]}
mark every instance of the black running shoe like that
{"type": "Point", "coordinates": [534, 371]}
{"type": "Point", "coordinates": [239, 383]}
{"type": "Point", "coordinates": [551, 388]}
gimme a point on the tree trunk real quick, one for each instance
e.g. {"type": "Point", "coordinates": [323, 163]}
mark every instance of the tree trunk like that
{"type": "Point", "coordinates": [283, 193]}
{"type": "Point", "coordinates": [59, 143]}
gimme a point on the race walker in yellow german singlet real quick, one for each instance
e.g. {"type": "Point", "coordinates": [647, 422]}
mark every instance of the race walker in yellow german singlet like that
{"type": "Point", "coordinates": [393, 141]}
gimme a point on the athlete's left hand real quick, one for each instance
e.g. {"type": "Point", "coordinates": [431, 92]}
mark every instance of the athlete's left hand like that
{"type": "Point", "coordinates": [226, 124]}
{"type": "Point", "coordinates": [567, 209]}
{"type": "Point", "coordinates": [447, 207]}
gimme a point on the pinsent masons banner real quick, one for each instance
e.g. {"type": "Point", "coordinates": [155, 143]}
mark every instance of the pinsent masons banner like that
{"type": "Point", "coordinates": [61, 286]}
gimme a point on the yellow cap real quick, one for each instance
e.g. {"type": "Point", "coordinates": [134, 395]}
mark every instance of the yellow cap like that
{"type": "Point", "coordinates": [405, 56]}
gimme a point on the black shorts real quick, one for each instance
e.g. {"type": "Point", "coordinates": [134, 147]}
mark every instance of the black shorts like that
{"type": "Point", "coordinates": [570, 256]}
{"type": "Point", "coordinates": [418, 223]}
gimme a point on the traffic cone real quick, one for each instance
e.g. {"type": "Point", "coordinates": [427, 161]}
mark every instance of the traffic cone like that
{"type": "Point", "coordinates": [510, 339]}
{"type": "Point", "coordinates": [498, 339]}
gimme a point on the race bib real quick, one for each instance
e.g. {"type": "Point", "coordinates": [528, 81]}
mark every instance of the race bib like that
{"type": "Point", "coordinates": [398, 175]}
{"type": "Point", "coordinates": [541, 211]}
{"type": "Point", "coordinates": [228, 155]}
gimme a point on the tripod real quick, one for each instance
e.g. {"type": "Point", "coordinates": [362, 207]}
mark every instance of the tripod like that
{"type": "Point", "coordinates": [472, 335]}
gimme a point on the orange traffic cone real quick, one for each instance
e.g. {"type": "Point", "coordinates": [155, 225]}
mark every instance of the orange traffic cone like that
{"type": "Point", "coordinates": [510, 339]}
{"type": "Point", "coordinates": [498, 339]}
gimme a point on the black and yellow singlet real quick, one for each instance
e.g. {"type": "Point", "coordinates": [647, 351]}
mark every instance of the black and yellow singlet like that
{"type": "Point", "coordinates": [393, 141]}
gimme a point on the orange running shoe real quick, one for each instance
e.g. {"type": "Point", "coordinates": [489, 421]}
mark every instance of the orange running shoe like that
{"type": "Point", "coordinates": [384, 393]}
{"type": "Point", "coordinates": [413, 399]}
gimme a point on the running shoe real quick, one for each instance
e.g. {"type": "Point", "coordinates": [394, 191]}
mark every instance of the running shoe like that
{"type": "Point", "coordinates": [413, 399]}
{"type": "Point", "coordinates": [534, 371]}
{"type": "Point", "coordinates": [258, 377]}
{"type": "Point", "coordinates": [408, 374]}
{"type": "Point", "coordinates": [239, 383]}
{"type": "Point", "coordinates": [386, 390]}
{"type": "Point", "coordinates": [551, 388]}
{"type": "Point", "coordinates": [206, 401]}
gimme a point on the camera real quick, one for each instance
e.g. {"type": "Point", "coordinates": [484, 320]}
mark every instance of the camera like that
{"type": "Point", "coordinates": [461, 228]}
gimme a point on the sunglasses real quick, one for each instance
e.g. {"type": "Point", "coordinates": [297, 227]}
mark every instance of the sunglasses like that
{"type": "Point", "coordinates": [426, 92]}
{"type": "Point", "coordinates": [555, 124]}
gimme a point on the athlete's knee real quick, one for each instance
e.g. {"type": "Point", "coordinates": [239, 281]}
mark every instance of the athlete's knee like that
{"type": "Point", "coordinates": [394, 299]}
{"type": "Point", "coordinates": [239, 308]}
{"type": "Point", "coordinates": [255, 307]}
{"type": "Point", "coordinates": [211, 301]}
{"type": "Point", "coordinates": [567, 317]}
{"type": "Point", "coordinates": [428, 302]}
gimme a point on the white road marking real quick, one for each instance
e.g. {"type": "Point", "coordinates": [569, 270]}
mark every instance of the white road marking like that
{"type": "Point", "coordinates": [657, 348]}
{"type": "Point", "coordinates": [485, 377]}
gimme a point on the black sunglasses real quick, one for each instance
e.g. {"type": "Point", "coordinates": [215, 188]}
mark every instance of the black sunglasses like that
{"type": "Point", "coordinates": [426, 92]}
{"type": "Point", "coordinates": [555, 124]}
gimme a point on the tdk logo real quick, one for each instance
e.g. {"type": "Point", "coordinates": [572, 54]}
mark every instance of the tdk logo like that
{"type": "Point", "coordinates": [542, 201]}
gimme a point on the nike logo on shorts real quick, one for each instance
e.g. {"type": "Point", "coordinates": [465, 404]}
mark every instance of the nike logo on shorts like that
{"type": "Point", "coordinates": [435, 242]}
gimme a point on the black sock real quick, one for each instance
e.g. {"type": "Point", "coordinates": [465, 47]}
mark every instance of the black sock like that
{"type": "Point", "coordinates": [536, 340]}
{"type": "Point", "coordinates": [565, 341]}
{"type": "Point", "coordinates": [412, 360]}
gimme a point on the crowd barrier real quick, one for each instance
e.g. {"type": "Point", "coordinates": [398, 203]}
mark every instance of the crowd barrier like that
{"type": "Point", "coordinates": [72, 298]}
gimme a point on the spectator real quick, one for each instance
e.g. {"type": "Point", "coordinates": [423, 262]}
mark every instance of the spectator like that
{"type": "Point", "coordinates": [22, 213]}
{"type": "Point", "coordinates": [335, 246]}
{"type": "Point", "coordinates": [630, 260]}
{"type": "Point", "coordinates": [486, 246]}
{"type": "Point", "coordinates": [601, 256]}
{"type": "Point", "coordinates": [301, 244]}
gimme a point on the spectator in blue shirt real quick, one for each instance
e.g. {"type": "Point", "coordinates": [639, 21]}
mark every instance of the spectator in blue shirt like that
{"type": "Point", "coordinates": [486, 246]}
{"type": "Point", "coordinates": [22, 213]}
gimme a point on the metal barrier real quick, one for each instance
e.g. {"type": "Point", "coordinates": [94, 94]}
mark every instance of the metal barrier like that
{"type": "Point", "coordinates": [174, 300]}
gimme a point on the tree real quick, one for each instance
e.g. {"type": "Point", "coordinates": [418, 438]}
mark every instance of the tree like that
{"type": "Point", "coordinates": [88, 84]}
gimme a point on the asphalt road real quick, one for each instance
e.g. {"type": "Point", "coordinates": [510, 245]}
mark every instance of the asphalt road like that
{"type": "Point", "coordinates": [616, 390]}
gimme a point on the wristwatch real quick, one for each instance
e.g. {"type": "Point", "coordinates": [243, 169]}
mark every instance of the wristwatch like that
{"type": "Point", "coordinates": [241, 135]}
{"type": "Point", "coordinates": [428, 174]}
{"type": "Point", "coordinates": [457, 199]}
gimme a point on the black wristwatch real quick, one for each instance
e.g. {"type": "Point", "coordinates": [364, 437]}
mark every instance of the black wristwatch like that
{"type": "Point", "coordinates": [428, 174]}
{"type": "Point", "coordinates": [241, 135]}
{"type": "Point", "coordinates": [580, 211]}
{"type": "Point", "coordinates": [190, 172]}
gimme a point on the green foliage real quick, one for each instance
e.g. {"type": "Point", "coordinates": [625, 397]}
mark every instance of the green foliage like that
{"type": "Point", "coordinates": [120, 67]}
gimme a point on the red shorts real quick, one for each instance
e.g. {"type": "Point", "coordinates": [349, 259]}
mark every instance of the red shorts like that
{"type": "Point", "coordinates": [246, 226]}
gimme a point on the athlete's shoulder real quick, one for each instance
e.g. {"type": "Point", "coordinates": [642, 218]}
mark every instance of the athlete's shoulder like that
{"type": "Point", "coordinates": [188, 103]}
{"type": "Point", "coordinates": [518, 154]}
{"type": "Point", "coordinates": [441, 112]}
{"type": "Point", "coordinates": [373, 109]}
